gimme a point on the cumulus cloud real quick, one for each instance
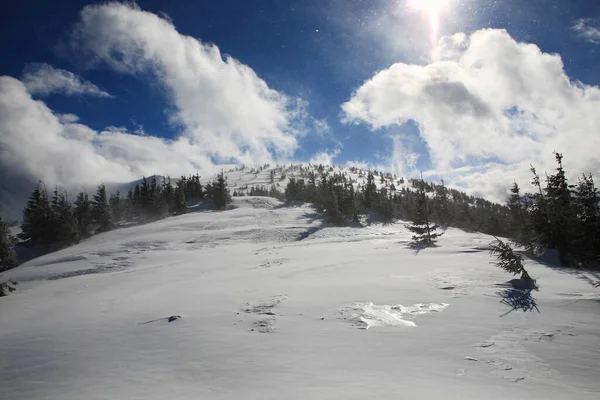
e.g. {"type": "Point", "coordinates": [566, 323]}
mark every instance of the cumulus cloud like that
{"type": "Point", "coordinates": [223, 106]}
{"type": "Point", "coordinates": [224, 112]}
{"type": "Point", "coordinates": [487, 100]}
{"type": "Point", "coordinates": [43, 80]}
{"type": "Point", "coordinates": [58, 150]}
{"type": "Point", "coordinates": [588, 30]}
{"type": "Point", "coordinates": [325, 157]}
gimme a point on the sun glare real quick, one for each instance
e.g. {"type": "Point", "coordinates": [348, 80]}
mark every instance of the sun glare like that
{"type": "Point", "coordinates": [430, 6]}
{"type": "Point", "coordinates": [433, 9]}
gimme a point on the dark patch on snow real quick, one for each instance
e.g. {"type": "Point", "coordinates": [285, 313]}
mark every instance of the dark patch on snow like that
{"type": "Point", "coordinates": [518, 299]}
{"type": "Point", "coordinates": [310, 231]}
{"type": "Point", "coordinates": [165, 319]}
{"type": "Point", "coordinates": [63, 260]}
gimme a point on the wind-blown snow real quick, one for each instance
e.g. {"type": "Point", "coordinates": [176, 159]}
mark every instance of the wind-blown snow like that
{"type": "Point", "coordinates": [250, 303]}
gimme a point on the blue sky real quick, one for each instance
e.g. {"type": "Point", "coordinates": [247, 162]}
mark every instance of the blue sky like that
{"type": "Point", "coordinates": [371, 83]}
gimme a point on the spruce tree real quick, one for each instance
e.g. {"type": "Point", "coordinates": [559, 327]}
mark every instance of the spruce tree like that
{"type": "Point", "coordinates": [423, 230]}
{"type": "Point", "coordinates": [101, 210]}
{"type": "Point", "coordinates": [8, 257]}
{"type": "Point", "coordinates": [179, 200]}
{"type": "Point", "coordinates": [83, 214]}
{"type": "Point", "coordinates": [588, 216]}
{"type": "Point", "coordinates": [442, 202]}
{"type": "Point", "coordinates": [65, 227]}
{"type": "Point", "coordinates": [369, 192]}
{"type": "Point", "coordinates": [36, 228]}
{"type": "Point", "coordinates": [515, 205]}
{"type": "Point", "coordinates": [220, 193]}
{"type": "Point", "coordinates": [559, 211]}
{"type": "Point", "coordinates": [508, 260]}
{"type": "Point", "coordinates": [116, 206]}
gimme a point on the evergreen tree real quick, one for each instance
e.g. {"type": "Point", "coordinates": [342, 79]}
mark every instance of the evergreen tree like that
{"type": "Point", "coordinates": [369, 192]}
{"type": "Point", "coordinates": [83, 214]}
{"type": "Point", "coordinates": [515, 205]}
{"type": "Point", "coordinates": [8, 257]}
{"type": "Point", "coordinates": [64, 226]}
{"type": "Point", "coordinates": [442, 200]}
{"type": "Point", "coordinates": [508, 260]}
{"type": "Point", "coordinates": [386, 207]}
{"type": "Point", "coordinates": [179, 200]}
{"type": "Point", "coordinates": [101, 210]}
{"type": "Point", "coordinates": [588, 218]}
{"type": "Point", "coordinates": [560, 214]}
{"type": "Point", "coordinates": [220, 193]}
{"type": "Point", "coordinates": [116, 205]}
{"type": "Point", "coordinates": [36, 228]}
{"type": "Point", "coordinates": [423, 230]}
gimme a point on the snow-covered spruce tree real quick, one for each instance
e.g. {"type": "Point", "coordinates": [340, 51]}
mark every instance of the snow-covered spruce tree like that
{"type": "Point", "coordinates": [8, 257]}
{"type": "Point", "coordinates": [424, 232]}
{"type": "Point", "coordinates": [507, 259]}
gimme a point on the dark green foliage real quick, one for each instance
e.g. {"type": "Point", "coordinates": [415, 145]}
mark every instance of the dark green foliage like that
{"type": "Point", "coordinates": [48, 223]}
{"type": "Point", "coordinates": [8, 258]}
{"type": "Point", "coordinates": [507, 259]}
{"type": "Point", "coordinates": [37, 227]}
{"type": "Point", "coordinates": [587, 241]}
{"type": "Point", "coordinates": [558, 216]}
{"type": "Point", "coordinates": [424, 232]}
{"type": "Point", "coordinates": [117, 207]}
{"type": "Point", "coordinates": [65, 226]}
{"type": "Point", "coordinates": [219, 193]}
{"type": "Point", "coordinates": [515, 206]}
{"type": "Point", "coordinates": [83, 214]}
{"type": "Point", "coordinates": [179, 205]}
{"type": "Point", "coordinates": [369, 192]}
{"type": "Point", "coordinates": [440, 204]}
{"type": "Point", "coordinates": [101, 210]}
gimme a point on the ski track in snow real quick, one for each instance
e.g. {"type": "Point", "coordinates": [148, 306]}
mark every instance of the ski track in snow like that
{"type": "Point", "coordinates": [268, 296]}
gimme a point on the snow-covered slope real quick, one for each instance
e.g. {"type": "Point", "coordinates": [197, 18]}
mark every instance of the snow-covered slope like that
{"type": "Point", "coordinates": [242, 178]}
{"type": "Point", "coordinates": [275, 304]}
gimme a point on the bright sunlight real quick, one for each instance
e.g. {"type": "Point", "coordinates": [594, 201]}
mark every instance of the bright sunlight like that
{"type": "Point", "coordinates": [433, 9]}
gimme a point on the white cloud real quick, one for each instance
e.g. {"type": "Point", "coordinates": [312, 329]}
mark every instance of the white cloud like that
{"type": "Point", "coordinates": [51, 148]}
{"type": "Point", "coordinates": [43, 80]}
{"type": "Point", "coordinates": [587, 30]}
{"type": "Point", "coordinates": [487, 100]}
{"type": "Point", "coordinates": [325, 157]}
{"type": "Point", "coordinates": [228, 114]}
{"type": "Point", "coordinates": [223, 106]}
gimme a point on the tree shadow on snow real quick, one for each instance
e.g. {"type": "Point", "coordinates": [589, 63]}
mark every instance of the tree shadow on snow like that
{"type": "Point", "coordinates": [551, 259]}
{"type": "Point", "coordinates": [418, 246]}
{"type": "Point", "coordinates": [518, 299]}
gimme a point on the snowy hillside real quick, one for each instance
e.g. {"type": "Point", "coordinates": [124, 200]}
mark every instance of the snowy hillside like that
{"type": "Point", "coordinates": [242, 178]}
{"type": "Point", "coordinates": [273, 303]}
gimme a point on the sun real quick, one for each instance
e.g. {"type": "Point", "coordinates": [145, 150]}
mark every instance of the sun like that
{"type": "Point", "coordinates": [433, 9]}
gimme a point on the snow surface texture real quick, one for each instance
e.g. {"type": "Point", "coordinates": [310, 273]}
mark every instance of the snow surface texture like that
{"type": "Point", "coordinates": [263, 302]}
